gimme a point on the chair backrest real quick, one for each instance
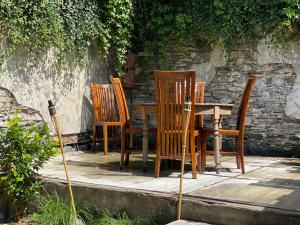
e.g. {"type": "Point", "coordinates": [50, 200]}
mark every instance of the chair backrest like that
{"type": "Point", "coordinates": [121, 100]}
{"type": "Point", "coordinates": [241, 120]}
{"type": "Point", "coordinates": [199, 98]}
{"type": "Point", "coordinates": [103, 102]}
{"type": "Point", "coordinates": [172, 90]}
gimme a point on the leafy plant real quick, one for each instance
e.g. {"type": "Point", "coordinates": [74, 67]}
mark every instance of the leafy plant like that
{"type": "Point", "coordinates": [68, 27]}
{"type": "Point", "coordinates": [23, 151]}
{"type": "Point", "coordinates": [208, 22]}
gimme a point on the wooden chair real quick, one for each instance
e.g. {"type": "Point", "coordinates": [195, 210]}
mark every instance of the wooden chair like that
{"type": "Point", "coordinates": [199, 98]}
{"type": "Point", "coordinates": [238, 133]}
{"type": "Point", "coordinates": [104, 111]}
{"type": "Point", "coordinates": [126, 127]}
{"type": "Point", "coordinates": [172, 89]}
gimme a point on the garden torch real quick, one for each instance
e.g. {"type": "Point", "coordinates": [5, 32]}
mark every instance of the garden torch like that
{"type": "Point", "coordinates": [55, 121]}
{"type": "Point", "coordinates": [186, 120]}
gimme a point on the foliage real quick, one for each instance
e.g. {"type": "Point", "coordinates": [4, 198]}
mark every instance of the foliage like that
{"type": "Point", "coordinates": [53, 210]}
{"type": "Point", "coordinates": [67, 26]}
{"type": "Point", "coordinates": [208, 22]}
{"type": "Point", "coordinates": [119, 219]}
{"type": "Point", "coordinates": [23, 151]}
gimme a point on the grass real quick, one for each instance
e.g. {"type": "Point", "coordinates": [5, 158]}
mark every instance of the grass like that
{"type": "Point", "coordinates": [53, 210]}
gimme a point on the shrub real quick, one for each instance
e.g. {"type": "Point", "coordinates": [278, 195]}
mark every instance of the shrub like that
{"type": "Point", "coordinates": [23, 151]}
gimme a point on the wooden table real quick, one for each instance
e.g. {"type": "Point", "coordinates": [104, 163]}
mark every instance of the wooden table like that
{"type": "Point", "coordinates": [215, 109]}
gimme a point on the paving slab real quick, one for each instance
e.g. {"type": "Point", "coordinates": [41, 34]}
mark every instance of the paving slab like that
{"type": "Point", "coordinates": [253, 192]}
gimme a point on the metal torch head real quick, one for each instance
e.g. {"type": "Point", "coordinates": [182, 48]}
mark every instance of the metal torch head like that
{"type": "Point", "coordinates": [51, 108]}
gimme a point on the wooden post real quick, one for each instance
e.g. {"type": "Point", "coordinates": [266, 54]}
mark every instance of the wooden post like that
{"type": "Point", "coordinates": [186, 119]}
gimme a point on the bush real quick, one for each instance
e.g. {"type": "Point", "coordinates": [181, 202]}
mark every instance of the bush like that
{"type": "Point", "coordinates": [23, 151]}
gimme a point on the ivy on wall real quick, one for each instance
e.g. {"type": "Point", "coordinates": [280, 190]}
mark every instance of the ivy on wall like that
{"type": "Point", "coordinates": [71, 26]}
{"type": "Point", "coordinates": [67, 26]}
{"type": "Point", "coordinates": [208, 22]}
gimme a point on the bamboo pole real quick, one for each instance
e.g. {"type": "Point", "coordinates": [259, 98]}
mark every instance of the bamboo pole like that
{"type": "Point", "coordinates": [56, 123]}
{"type": "Point", "coordinates": [187, 114]}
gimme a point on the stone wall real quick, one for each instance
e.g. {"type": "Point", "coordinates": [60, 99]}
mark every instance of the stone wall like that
{"type": "Point", "coordinates": [274, 114]}
{"type": "Point", "coordinates": [9, 107]}
{"type": "Point", "coordinates": [33, 83]}
{"type": "Point", "coordinates": [268, 128]}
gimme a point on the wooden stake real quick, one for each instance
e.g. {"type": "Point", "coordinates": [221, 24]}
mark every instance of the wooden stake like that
{"type": "Point", "coordinates": [56, 123]}
{"type": "Point", "coordinates": [187, 114]}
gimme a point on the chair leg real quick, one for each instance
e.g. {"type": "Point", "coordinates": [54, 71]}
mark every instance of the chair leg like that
{"type": "Point", "coordinates": [238, 153]}
{"type": "Point", "coordinates": [199, 154]}
{"type": "Point", "coordinates": [203, 151]}
{"type": "Point", "coordinates": [123, 142]}
{"type": "Point", "coordinates": [127, 159]}
{"type": "Point", "coordinates": [242, 159]}
{"type": "Point", "coordinates": [157, 165]}
{"type": "Point", "coordinates": [193, 158]}
{"type": "Point", "coordinates": [238, 163]}
{"type": "Point", "coordinates": [241, 153]}
{"type": "Point", "coordinates": [194, 170]}
{"type": "Point", "coordinates": [105, 139]}
{"type": "Point", "coordinates": [94, 138]}
{"type": "Point", "coordinates": [130, 137]}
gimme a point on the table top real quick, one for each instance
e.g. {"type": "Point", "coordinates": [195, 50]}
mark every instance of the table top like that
{"type": "Point", "coordinates": [207, 108]}
{"type": "Point", "coordinates": [196, 104]}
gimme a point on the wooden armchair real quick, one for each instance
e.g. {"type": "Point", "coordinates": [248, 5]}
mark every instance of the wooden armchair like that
{"type": "Point", "coordinates": [126, 129]}
{"type": "Point", "coordinates": [172, 89]}
{"type": "Point", "coordinates": [238, 133]}
{"type": "Point", "coordinates": [104, 111]}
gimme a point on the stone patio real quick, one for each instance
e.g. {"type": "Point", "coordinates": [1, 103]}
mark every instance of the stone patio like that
{"type": "Point", "coordinates": [269, 192]}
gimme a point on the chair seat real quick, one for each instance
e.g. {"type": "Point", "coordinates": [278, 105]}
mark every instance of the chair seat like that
{"type": "Point", "coordinates": [221, 132]}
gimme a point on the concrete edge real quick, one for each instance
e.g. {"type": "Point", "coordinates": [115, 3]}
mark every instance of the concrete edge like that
{"type": "Point", "coordinates": [162, 207]}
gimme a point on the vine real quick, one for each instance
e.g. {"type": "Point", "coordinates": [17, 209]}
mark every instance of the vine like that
{"type": "Point", "coordinates": [208, 22]}
{"type": "Point", "coordinates": [70, 27]}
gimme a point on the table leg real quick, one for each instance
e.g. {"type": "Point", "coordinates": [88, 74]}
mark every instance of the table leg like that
{"type": "Point", "coordinates": [217, 139]}
{"type": "Point", "coordinates": [145, 142]}
{"type": "Point", "coordinates": [220, 136]}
